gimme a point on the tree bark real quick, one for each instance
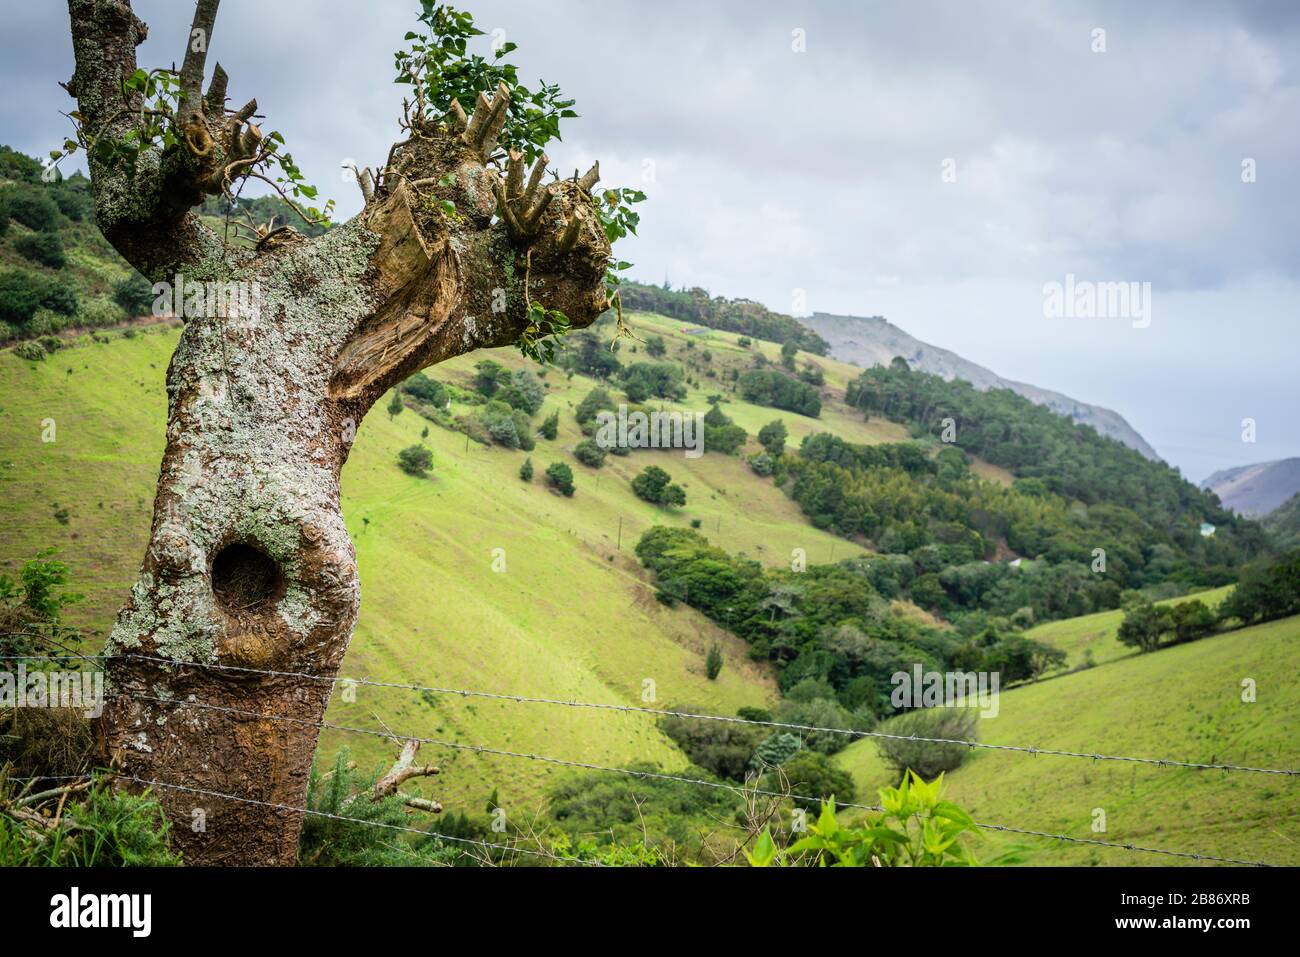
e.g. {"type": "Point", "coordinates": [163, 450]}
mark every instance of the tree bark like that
{"type": "Point", "coordinates": [249, 564]}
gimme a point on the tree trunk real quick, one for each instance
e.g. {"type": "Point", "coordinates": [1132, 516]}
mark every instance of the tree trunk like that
{"type": "Point", "coordinates": [250, 568]}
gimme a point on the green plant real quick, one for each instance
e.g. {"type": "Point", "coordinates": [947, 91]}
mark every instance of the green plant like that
{"type": "Point", "coordinates": [550, 426]}
{"type": "Point", "coordinates": [928, 758]}
{"type": "Point", "coordinates": [560, 477]}
{"type": "Point", "coordinates": [713, 662]}
{"type": "Point", "coordinates": [415, 460]}
{"type": "Point", "coordinates": [526, 470]}
{"type": "Point", "coordinates": [589, 453]}
{"type": "Point", "coordinates": [916, 829]}
{"type": "Point", "coordinates": [43, 248]}
{"type": "Point", "coordinates": [653, 485]}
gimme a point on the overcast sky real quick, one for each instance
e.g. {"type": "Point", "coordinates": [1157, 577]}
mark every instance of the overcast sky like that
{"type": "Point", "coordinates": [803, 146]}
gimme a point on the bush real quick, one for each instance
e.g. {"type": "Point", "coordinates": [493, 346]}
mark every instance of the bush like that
{"type": "Point", "coordinates": [31, 206]}
{"type": "Point", "coordinates": [656, 346]}
{"type": "Point", "coordinates": [720, 747]}
{"type": "Point", "coordinates": [21, 294]}
{"type": "Point", "coordinates": [550, 426]}
{"type": "Point", "coordinates": [589, 453]}
{"type": "Point", "coordinates": [653, 486]}
{"type": "Point", "coordinates": [927, 758]}
{"type": "Point", "coordinates": [489, 376]}
{"type": "Point", "coordinates": [560, 477]}
{"type": "Point", "coordinates": [415, 460]}
{"type": "Point", "coordinates": [645, 380]}
{"type": "Point", "coordinates": [772, 388]}
{"type": "Point", "coordinates": [774, 751]}
{"type": "Point", "coordinates": [43, 248]}
{"type": "Point", "coordinates": [426, 390]}
{"type": "Point", "coordinates": [1265, 592]}
{"type": "Point", "coordinates": [772, 437]}
{"type": "Point", "coordinates": [596, 401]}
{"type": "Point", "coordinates": [526, 470]}
{"type": "Point", "coordinates": [59, 296]}
{"type": "Point", "coordinates": [814, 778]}
{"type": "Point", "coordinates": [524, 392]}
{"type": "Point", "coordinates": [762, 464]}
{"type": "Point", "coordinates": [713, 662]}
{"type": "Point", "coordinates": [99, 312]}
{"type": "Point", "coordinates": [31, 351]}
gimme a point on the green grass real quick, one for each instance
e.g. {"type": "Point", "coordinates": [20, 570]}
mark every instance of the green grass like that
{"type": "Point", "coordinates": [573, 616]}
{"type": "Point", "coordinates": [1099, 633]}
{"type": "Point", "coordinates": [1181, 703]}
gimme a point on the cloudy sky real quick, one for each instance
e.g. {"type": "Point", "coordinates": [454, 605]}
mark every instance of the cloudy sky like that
{"type": "Point", "coordinates": [935, 163]}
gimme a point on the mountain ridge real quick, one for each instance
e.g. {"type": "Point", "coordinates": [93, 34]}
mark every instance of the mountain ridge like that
{"type": "Point", "coordinates": [867, 341]}
{"type": "Point", "coordinates": [1256, 490]}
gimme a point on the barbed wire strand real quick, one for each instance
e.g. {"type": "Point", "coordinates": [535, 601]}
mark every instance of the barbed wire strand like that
{"type": "Point", "coordinates": [697, 781]}
{"type": "Point", "coordinates": [662, 712]}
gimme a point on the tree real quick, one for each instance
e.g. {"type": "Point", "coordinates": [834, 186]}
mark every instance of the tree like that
{"type": "Point", "coordinates": [1192, 620]}
{"type": "Point", "coordinates": [525, 392]}
{"type": "Point", "coordinates": [656, 347]}
{"type": "Point", "coordinates": [43, 248]}
{"type": "Point", "coordinates": [526, 470]}
{"type": "Point", "coordinates": [653, 485]}
{"type": "Point", "coordinates": [713, 662]}
{"type": "Point", "coordinates": [550, 426]}
{"type": "Point", "coordinates": [772, 437]}
{"type": "Point", "coordinates": [788, 353]}
{"type": "Point", "coordinates": [1144, 625]}
{"type": "Point", "coordinates": [394, 408]}
{"type": "Point", "coordinates": [589, 453]}
{"type": "Point", "coordinates": [249, 562]}
{"type": "Point", "coordinates": [489, 375]}
{"type": "Point", "coordinates": [560, 477]}
{"type": "Point", "coordinates": [135, 295]}
{"type": "Point", "coordinates": [415, 460]}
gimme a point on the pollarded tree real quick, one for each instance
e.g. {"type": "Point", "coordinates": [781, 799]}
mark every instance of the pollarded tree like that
{"type": "Point", "coordinates": [249, 567]}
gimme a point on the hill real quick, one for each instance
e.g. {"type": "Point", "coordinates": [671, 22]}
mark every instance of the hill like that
{"type": "Point", "coordinates": [1256, 490]}
{"type": "Point", "coordinates": [875, 341]}
{"type": "Point", "coordinates": [573, 616]}
{"type": "Point", "coordinates": [1182, 703]}
{"type": "Point", "coordinates": [1282, 525]}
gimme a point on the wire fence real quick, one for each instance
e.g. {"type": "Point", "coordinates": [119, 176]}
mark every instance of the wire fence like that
{"type": "Point", "coordinates": [631, 772]}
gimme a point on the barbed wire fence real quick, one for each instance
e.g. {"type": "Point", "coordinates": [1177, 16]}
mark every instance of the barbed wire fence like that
{"type": "Point", "coordinates": [630, 772]}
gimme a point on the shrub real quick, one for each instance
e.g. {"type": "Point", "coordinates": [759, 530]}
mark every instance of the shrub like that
{"type": "Point", "coordinates": [762, 464]}
{"type": "Point", "coordinates": [550, 426]}
{"type": "Point", "coordinates": [43, 248]}
{"type": "Point", "coordinates": [426, 389]}
{"type": "Point", "coordinates": [415, 460]}
{"type": "Point", "coordinates": [589, 453]}
{"type": "Point", "coordinates": [772, 388]}
{"type": "Point", "coordinates": [31, 351]}
{"type": "Point", "coordinates": [927, 758]}
{"type": "Point", "coordinates": [524, 430]}
{"type": "Point", "coordinates": [596, 401]}
{"type": "Point", "coordinates": [524, 391]}
{"type": "Point", "coordinates": [774, 751]}
{"type": "Point", "coordinates": [663, 380]}
{"type": "Point", "coordinates": [98, 312]}
{"type": "Point", "coordinates": [560, 477]}
{"type": "Point", "coordinates": [653, 486]}
{"type": "Point", "coordinates": [719, 747]}
{"type": "Point", "coordinates": [59, 296]}
{"type": "Point", "coordinates": [713, 662]}
{"type": "Point", "coordinates": [21, 294]}
{"type": "Point", "coordinates": [489, 376]}
{"type": "Point", "coordinates": [526, 470]}
{"type": "Point", "coordinates": [772, 437]}
{"type": "Point", "coordinates": [813, 777]}
{"type": "Point", "coordinates": [499, 420]}
{"type": "Point", "coordinates": [31, 206]}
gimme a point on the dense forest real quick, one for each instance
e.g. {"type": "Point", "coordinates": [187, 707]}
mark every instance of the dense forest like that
{"type": "Point", "coordinates": [731, 315]}
{"type": "Point", "coordinates": [1050, 453]}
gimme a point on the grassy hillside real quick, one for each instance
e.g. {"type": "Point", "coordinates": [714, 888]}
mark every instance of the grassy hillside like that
{"type": "Point", "coordinates": [1180, 703]}
{"type": "Point", "coordinates": [1099, 634]}
{"type": "Point", "coordinates": [573, 616]}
